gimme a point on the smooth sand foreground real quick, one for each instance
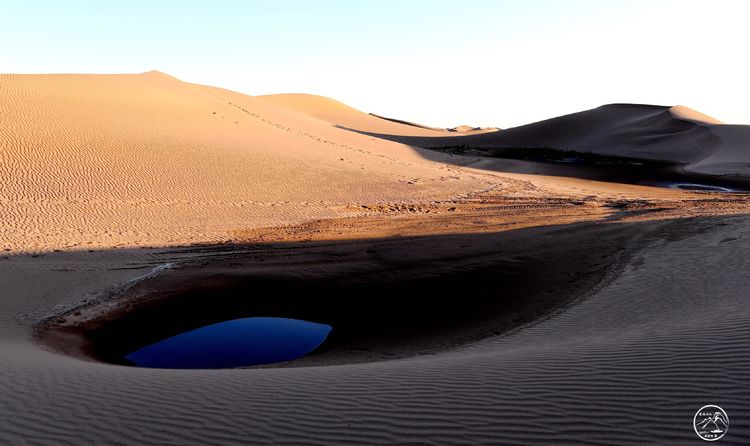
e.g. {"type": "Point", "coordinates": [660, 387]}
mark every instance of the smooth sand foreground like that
{"type": "Point", "coordinates": [562, 310]}
{"type": "Point", "coordinates": [659, 321]}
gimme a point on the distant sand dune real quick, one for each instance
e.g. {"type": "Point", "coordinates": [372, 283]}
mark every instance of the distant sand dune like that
{"type": "Point", "coordinates": [342, 115]}
{"type": "Point", "coordinates": [639, 131]}
{"type": "Point", "coordinates": [672, 134]}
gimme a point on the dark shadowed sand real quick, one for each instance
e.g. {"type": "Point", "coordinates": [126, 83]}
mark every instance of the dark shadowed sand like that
{"type": "Point", "coordinates": [641, 337]}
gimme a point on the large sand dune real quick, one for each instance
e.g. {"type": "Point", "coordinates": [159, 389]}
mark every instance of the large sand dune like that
{"type": "Point", "coordinates": [112, 160]}
{"type": "Point", "coordinates": [696, 142]}
{"type": "Point", "coordinates": [342, 115]}
{"type": "Point", "coordinates": [638, 131]}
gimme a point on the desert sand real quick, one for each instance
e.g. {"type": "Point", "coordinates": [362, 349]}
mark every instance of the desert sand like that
{"type": "Point", "coordinates": [341, 115]}
{"type": "Point", "coordinates": [132, 160]}
{"type": "Point", "coordinates": [692, 141]}
{"type": "Point", "coordinates": [487, 300]}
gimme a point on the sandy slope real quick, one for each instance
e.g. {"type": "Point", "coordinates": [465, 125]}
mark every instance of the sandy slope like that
{"type": "Point", "coordinates": [688, 114]}
{"type": "Point", "coordinates": [730, 155]}
{"type": "Point", "coordinates": [340, 114]}
{"type": "Point", "coordinates": [112, 160]}
{"type": "Point", "coordinates": [638, 131]}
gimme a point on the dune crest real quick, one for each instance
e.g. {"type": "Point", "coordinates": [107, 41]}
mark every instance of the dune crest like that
{"type": "Point", "coordinates": [342, 115]}
{"type": "Point", "coordinates": [688, 114]}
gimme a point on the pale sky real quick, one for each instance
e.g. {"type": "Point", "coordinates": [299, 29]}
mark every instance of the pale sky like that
{"type": "Point", "coordinates": [441, 63]}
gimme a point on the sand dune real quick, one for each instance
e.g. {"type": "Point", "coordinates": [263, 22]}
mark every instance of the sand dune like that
{"type": "Point", "coordinates": [108, 160]}
{"type": "Point", "coordinates": [644, 131]}
{"type": "Point", "coordinates": [688, 114]}
{"type": "Point", "coordinates": [638, 131]}
{"type": "Point", "coordinates": [468, 128]}
{"type": "Point", "coordinates": [698, 143]}
{"type": "Point", "coordinates": [730, 155]}
{"type": "Point", "coordinates": [340, 114]}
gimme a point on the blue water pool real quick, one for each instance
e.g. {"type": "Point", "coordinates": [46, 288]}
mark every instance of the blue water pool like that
{"type": "Point", "coordinates": [234, 343]}
{"type": "Point", "coordinates": [700, 187]}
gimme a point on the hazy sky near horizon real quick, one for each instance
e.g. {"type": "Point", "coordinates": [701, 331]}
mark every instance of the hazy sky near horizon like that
{"type": "Point", "coordinates": [441, 63]}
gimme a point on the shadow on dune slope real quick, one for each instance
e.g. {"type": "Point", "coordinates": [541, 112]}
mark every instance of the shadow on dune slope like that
{"type": "Point", "coordinates": [644, 144]}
